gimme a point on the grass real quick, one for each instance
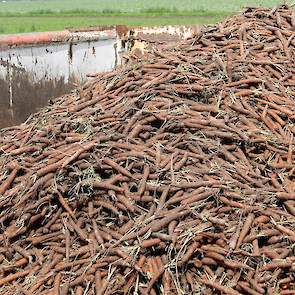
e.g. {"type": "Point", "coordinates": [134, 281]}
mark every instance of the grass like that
{"type": "Point", "coordinates": [17, 16]}
{"type": "Point", "coordinates": [130, 6]}
{"type": "Point", "coordinates": [47, 23]}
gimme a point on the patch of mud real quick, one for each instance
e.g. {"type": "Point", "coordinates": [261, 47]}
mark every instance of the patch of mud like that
{"type": "Point", "coordinates": [21, 96]}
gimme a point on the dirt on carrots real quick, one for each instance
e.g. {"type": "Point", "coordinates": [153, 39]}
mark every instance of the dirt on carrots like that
{"type": "Point", "coordinates": [173, 174]}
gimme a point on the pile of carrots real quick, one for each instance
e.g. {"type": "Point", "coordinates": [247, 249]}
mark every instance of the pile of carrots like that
{"type": "Point", "coordinates": [171, 175]}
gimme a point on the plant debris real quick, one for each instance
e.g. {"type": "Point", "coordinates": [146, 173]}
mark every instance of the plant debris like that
{"type": "Point", "coordinates": [171, 175]}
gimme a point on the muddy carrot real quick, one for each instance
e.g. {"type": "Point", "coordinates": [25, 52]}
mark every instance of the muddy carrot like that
{"type": "Point", "coordinates": [79, 291]}
{"type": "Point", "coordinates": [150, 243]}
{"type": "Point", "coordinates": [98, 282]}
{"type": "Point", "coordinates": [290, 206]}
{"type": "Point", "coordinates": [77, 154]}
{"type": "Point", "coordinates": [19, 263]}
{"type": "Point", "coordinates": [277, 264]}
{"type": "Point", "coordinates": [234, 238]}
{"type": "Point", "coordinates": [97, 233]}
{"type": "Point", "coordinates": [285, 230]}
{"type": "Point", "coordinates": [106, 185]}
{"type": "Point", "coordinates": [154, 279]}
{"type": "Point", "coordinates": [245, 229]}
{"type": "Point", "coordinates": [189, 253]}
{"type": "Point", "coordinates": [50, 168]}
{"type": "Point", "coordinates": [65, 205]}
{"type": "Point", "coordinates": [247, 288]}
{"type": "Point", "coordinates": [126, 202]}
{"type": "Point", "coordinates": [79, 231]}
{"type": "Point", "coordinates": [159, 224]}
{"type": "Point", "coordinates": [117, 167]}
{"type": "Point", "coordinates": [219, 287]}
{"type": "Point", "coordinates": [67, 265]}
{"type": "Point", "coordinates": [7, 183]}
{"type": "Point", "coordinates": [107, 205]}
{"type": "Point", "coordinates": [14, 277]}
{"type": "Point", "coordinates": [163, 198]}
{"type": "Point", "coordinates": [145, 175]}
{"type": "Point", "coordinates": [57, 282]}
{"type": "Point", "coordinates": [198, 197]}
{"type": "Point", "coordinates": [256, 250]}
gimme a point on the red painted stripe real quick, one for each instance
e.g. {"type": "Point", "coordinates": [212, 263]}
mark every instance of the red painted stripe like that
{"type": "Point", "coordinates": [34, 38]}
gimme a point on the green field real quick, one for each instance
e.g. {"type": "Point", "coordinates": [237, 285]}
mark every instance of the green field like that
{"type": "Point", "coordinates": [42, 15]}
{"type": "Point", "coordinates": [52, 23]}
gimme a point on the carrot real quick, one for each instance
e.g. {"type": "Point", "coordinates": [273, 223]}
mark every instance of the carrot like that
{"type": "Point", "coordinates": [132, 279]}
{"type": "Point", "coordinates": [57, 282]}
{"type": "Point", "coordinates": [229, 64]}
{"type": "Point", "coordinates": [24, 150]}
{"type": "Point", "coordinates": [290, 206]}
{"type": "Point", "coordinates": [163, 198]}
{"type": "Point", "coordinates": [233, 242]}
{"type": "Point", "coordinates": [107, 205]}
{"type": "Point", "coordinates": [65, 205]}
{"type": "Point", "coordinates": [126, 227]}
{"type": "Point", "coordinates": [287, 292]}
{"type": "Point", "coordinates": [77, 154]}
{"type": "Point", "coordinates": [22, 251]}
{"type": "Point", "coordinates": [286, 196]}
{"type": "Point", "coordinates": [145, 176]}
{"type": "Point", "coordinates": [52, 221]}
{"type": "Point", "coordinates": [256, 285]}
{"type": "Point", "coordinates": [261, 219]}
{"type": "Point", "coordinates": [181, 163]}
{"type": "Point", "coordinates": [19, 263]}
{"type": "Point", "coordinates": [245, 229]}
{"type": "Point", "coordinates": [117, 167]}
{"type": "Point", "coordinates": [198, 197]}
{"type": "Point", "coordinates": [256, 250]}
{"type": "Point", "coordinates": [245, 286]}
{"type": "Point", "coordinates": [50, 168]}
{"type": "Point", "coordinates": [236, 264]}
{"type": "Point", "coordinates": [154, 279]}
{"type": "Point", "coordinates": [197, 184]}
{"type": "Point", "coordinates": [245, 81]}
{"type": "Point", "coordinates": [285, 230]}
{"type": "Point", "coordinates": [156, 80]}
{"type": "Point", "coordinates": [214, 255]}
{"type": "Point", "coordinates": [14, 277]}
{"type": "Point", "coordinates": [67, 242]}
{"type": "Point", "coordinates": [167, 283]}
{"type": "Point", "coordinates": [98, 282]}
{"type": "Point", "coordinates": [40, 239]}
{"type": "Point", "coordinates": [79, 291]}
{"type": "Point", "coordinates": [106, 185]}
{"type": "Point", "coordinates": [189, 253]}
{"type": "Point", "coordinates": [157, 225]}
{"type": "Point", "coordinates": [68, 265]}
{"type": "Point", "coordinates": [150, 243]}
{"type": "Point", "coordinates": [126, 202]}
{"type": "Point", "coordinates": [40, 283]}
{"type": "Point", "coordinates": [233, 203]}
{"type": "Point", "coordinates": [8, 182]}
{"type": "Point", "coordinates": [82, 235]}
{"type": "Point", "coordinates": [276, 264]}
{"type": "Point", "coordinates": [219, 287]}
